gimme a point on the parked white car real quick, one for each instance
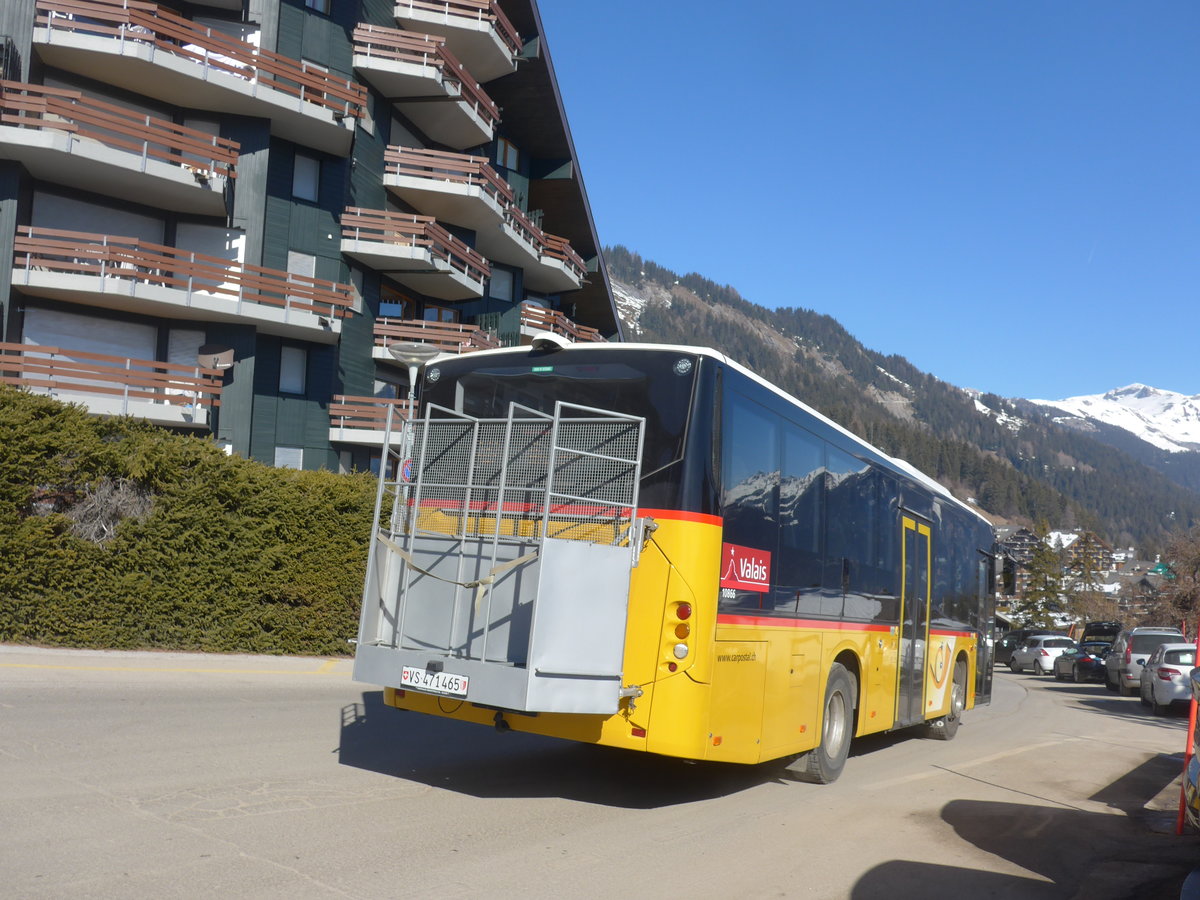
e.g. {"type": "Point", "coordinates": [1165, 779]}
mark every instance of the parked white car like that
{"type": "Point", "coordinates": [1037, 653]}
{"type": "Point", "coordinates": [1165, 676]}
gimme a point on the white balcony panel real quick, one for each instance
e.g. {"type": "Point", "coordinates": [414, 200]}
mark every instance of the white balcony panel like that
{"type": "Point", "coordinates": [127, 295]}
{"type": "Point", "coordinates": [172, 414]}
{"type": "Point", "coordinates": [415, 266]}
{"type": "Point", "coordinates": [504, 244]}
{"type": "Point", "coordinates": [432, 102]}
{"type": "Point", "coordinates": [88, 165]}
{"type": "Point", "coordinates": [474, 40]}
{"type": "Point", "coordinates": [363, 437]}
{"type": "Point", "coordinates": [551, 276]}
{"type": "Point", "coordinates": [456, 202]}
{"type": "Point", "coordinates": [141, 68]}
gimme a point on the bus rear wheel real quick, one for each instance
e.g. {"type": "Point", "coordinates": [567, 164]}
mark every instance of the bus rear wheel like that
{"type": "Point", "coordinates": [944, 728]}
{"type": "Point", "coordinates": [824, 764]}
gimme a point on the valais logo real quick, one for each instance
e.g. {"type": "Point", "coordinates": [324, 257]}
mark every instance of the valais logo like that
{"type": "Point", "coordinates": [745, 569]}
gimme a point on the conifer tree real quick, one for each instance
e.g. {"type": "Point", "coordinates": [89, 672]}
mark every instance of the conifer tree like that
{"type": "Point", "coordinates": [1041, 596]}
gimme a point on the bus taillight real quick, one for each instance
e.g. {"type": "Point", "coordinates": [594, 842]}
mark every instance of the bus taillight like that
{"type": "Point", "coordinates": [684, 610]}
{"type": "Point", "coordinates": [682, 630]}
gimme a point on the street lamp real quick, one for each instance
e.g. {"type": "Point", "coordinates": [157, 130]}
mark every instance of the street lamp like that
{"type": "Point", "coordinates": [412, 355]}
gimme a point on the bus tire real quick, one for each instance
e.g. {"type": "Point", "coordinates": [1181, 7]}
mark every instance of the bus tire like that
{"type": "Point", "coordinates": [824, 764]}
{"type": "Point", "coordinates": [944, 728]}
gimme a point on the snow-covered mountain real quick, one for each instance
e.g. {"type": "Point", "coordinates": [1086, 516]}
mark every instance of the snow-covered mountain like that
{"type": "Point", "coordinates": [1163, 419]}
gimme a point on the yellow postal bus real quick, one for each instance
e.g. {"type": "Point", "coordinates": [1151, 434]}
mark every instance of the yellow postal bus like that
{"type": "Point", "coordinates": [650, 547]}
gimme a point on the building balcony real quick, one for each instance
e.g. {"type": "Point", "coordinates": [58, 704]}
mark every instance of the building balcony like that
{"type": "Point", "coordinates": [160, 392]}
{"type": "Point", "coordinates": [65, 138]}
{"type": "Point", "coordinates": [464, 190]}
{"type": "Point", "coordinates": [156, 53]}
{"type": "Point", "coordinates": [364, 420]}
{"type": "Point", "coordinates": [416, 251]}
{"type": "Point", "coordinates": [452, 187]}
{"type": "Point", "coordinates": [449, 337]}
{"type": "Point", "coordinates": [559, 268]}
{"type": "Point", "coordinates": [131, 275]}
{"type": "Point", "coordinates": [536, 319]}
{"type": "Point", "coordinates": [427, 83]}
{"type": "Point", "coordinates": [476, 31]}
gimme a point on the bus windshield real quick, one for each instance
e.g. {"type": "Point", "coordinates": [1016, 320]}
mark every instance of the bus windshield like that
{"type": "Point", "coordinates": [655, 386]}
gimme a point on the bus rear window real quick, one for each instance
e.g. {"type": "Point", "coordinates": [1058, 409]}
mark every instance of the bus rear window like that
{"type": "Point", "coordinates": [655, 387]}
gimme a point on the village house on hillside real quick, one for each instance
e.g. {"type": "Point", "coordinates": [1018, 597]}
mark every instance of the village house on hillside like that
{"type": "Point", "coordinates": [1117, 583]}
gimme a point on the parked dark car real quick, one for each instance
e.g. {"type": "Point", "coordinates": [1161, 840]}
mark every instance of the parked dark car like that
{"type": "Point", "coordinates": [1123, 666]}
{"type": "Point", "coordinates": [1084, 663]}
{"type": "Point", "coordinates": [1003, 651]}
{"type": "Point", "coordinates": [1100, 631]}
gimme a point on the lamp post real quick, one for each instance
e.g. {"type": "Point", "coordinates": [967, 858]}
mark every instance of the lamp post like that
{"type": "Point", "coordinates": [413, 356]}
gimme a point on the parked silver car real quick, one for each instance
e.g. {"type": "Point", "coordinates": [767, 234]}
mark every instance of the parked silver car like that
{"type": "Point", "coordinates": [1123, 665]}
{"type": "Point", "coordinates": [1165, 676]}
{"type": "Point", "coordinates": [1037, 653]}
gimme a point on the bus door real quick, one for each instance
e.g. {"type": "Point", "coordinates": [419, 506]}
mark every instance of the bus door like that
{"type": "Point", "coordinates": [914, 622]}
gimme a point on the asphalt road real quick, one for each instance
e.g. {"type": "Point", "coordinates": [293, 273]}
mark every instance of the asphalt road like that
{"type": "Point", "coordinates": [177, 775]}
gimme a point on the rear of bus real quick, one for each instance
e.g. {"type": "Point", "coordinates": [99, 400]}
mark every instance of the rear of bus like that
{"type": "Point", "coordinates": [530, 574]}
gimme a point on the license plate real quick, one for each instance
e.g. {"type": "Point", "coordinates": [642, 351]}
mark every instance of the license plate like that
{"type": "Point", "coordinates": [433, 682]}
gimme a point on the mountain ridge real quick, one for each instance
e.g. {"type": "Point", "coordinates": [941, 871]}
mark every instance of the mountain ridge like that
{"type": "Point", "coordinates": [1007, 456]}
{"type": "Point", "coordinates": [1162, 418]}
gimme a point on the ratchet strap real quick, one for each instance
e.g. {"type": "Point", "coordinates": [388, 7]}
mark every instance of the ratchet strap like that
{"type": "Point", "coordinates": [480, 585]}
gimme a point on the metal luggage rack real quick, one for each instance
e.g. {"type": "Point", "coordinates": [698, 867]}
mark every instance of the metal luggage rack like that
{"type": "Point", "coordinates": [507, 543]}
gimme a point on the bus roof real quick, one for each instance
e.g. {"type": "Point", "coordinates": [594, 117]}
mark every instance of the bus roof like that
{"type": "Point", "coordinates": [902, 465]}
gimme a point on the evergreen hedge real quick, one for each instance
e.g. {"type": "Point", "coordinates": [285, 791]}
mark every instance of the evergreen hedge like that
{"type": "Point", "coordinates": [227, 555]}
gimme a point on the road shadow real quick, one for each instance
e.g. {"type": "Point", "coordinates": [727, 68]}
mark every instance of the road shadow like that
{"type": "Point", "coordinates": [1096, 697]}
{"type": "Point", "coordinates": [1071, 853]}
{"type": "Point", "coordinates": [482, 762]}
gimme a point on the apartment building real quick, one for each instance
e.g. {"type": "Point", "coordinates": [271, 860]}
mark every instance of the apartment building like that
{"type": "Point", "coordinates": [221, 215]}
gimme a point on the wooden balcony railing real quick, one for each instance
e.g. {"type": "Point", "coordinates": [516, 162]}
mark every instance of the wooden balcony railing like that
{"type": "Point", "coordinates": [147, 23]}
{"type": "Point", "coordinates": [552, 320]}
{"type": "Point", "coordinates": [53, 109]}
{"type": "Point", "coordinates": [394, 45]}
{"type": "Point", "coordinates": [480, 10]}
{"type": "Point", "coordinates": [141, 262]}
{"type": "Point", "coordinates": [406, 229]}
{"type": "Point", "coordinates": [560, 248]}
{"type": "Point", "coordinates": [462, 168]}
{"type": "Point", "coordinates": [449, 337]}
{"type": "Point", "coordinates": [142, 380]}
{"type": "Point", "coordinates": [456, 168]}
{"type": "Point", "coordinates": [369, 413]}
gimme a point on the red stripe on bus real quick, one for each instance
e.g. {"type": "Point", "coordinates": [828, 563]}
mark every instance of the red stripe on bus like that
{"type": "Point", "coordinates": [728, 619]}
{"type": "Point", "coordinates": [959, 634]}
{"type": "Point", "coordinates": [445, 505]}
{"type": "Point", "coordinates": [679, 515]}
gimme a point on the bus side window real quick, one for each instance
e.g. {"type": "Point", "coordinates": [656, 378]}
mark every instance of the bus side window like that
{"type": "Point", "coordinates": [801, 523]}
{"type": "Point", "coordinates": [848, 525]}
{"type": "Point", "coordinates": [750, 488]}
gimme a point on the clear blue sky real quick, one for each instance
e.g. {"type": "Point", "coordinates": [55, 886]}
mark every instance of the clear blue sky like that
{"type": "Point", "coordinates": [1005, 193]}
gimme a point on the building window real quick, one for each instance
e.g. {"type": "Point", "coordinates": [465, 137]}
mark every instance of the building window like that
{"type": "Point", "coordinates": [305, 265]}
{"type": "Point", "coordinates": [289, 457]}
{"type": "Point", "coordinates": [507, 154]}
{"type": "Point", "coordinates": [321, 6]}
{"type": "Point", "coordinates": [293, 363]}
{"type": "Point", "coordinates": [500, 287]}
{"type": "Point", "coordinates": [392, 303]}
{"type": "Point", "coordinates": [306, 176]}
{"type": "Point", "coordinates": [440, 314]}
